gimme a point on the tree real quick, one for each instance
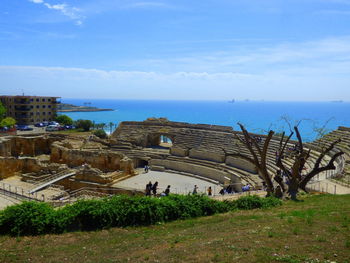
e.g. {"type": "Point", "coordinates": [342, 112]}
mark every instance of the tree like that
{"type": "Point", "coordinates": [2, 111]}
{"type": "Point", "coordinates": [274, 181]}
{"type": "Point", "coordinates": [110, 124]}
{"type": "Point", "coordinates": [7, 122]}
{"type": "Point", "coordinates": [297, 180]}
{"type": "Point", "coordinates": [83, 124]}
{"type": "Point", "coordinates": [64, 119]}
{"type": "Point", "coordinates": [100, 133]}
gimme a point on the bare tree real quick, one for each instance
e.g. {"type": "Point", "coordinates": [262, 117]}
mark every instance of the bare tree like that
{"type": "Point", "coordinates": [294, 177]}
{"type": "Point", "coordinates": [258, 155]}
{"type": "Point", "coordinates": [297, 180]}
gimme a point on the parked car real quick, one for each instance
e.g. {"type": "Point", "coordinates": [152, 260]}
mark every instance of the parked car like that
{"type": "Point", "coordinates": [54, 123]}
{"type": "Point", "coordinates": [45, 123]}
{"type": "Point", "coordinates": [24, 128]}
{"type": "Point", "coordinates": [69, 127]}
{"type": "Point", "coordinates": [52, 128]}
{"type": "Point", "coordinates": [39, 124]}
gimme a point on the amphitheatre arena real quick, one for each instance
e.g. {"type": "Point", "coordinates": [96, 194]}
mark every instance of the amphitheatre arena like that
{"type": "Point", "coordinates": [60, 168]}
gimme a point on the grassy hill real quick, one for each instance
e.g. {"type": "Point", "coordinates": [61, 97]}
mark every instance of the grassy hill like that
{"type": "Point", "coordinates": [314, 230]}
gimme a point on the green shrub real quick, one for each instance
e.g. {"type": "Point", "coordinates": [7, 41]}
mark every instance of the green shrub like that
{"type": "Point", "coordinates": [64, 119]}
{"type": "Point", "coordinates": [28, 218]}
{"type": "Point", "coordinates": [100, 133]}
{"type": "Point", "coordinates": [85, 125]}
{"type": "Point", "coordinates": [253, 202]}
{"type": "Point", "coordinates": [7, 122]}
{"type": "Point", "coordinates": [32, 218]}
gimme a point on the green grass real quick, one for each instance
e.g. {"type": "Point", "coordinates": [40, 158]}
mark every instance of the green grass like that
{"type": "Point", "coordinates": [315, 230]}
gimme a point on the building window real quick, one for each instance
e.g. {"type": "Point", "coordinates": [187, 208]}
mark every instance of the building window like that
{"type": "Point", "coordinates": [49, 112]}
{"type": "Point", "coordinates": [43, 100]}
{"type": "Point", "coordinates": [31, 99]}
{"type": "Point", "coordinates": [38, 113]}
{"type": "Point", "coordinates": [37, 106]}
{"type": "Point", "coordinates": [49, 106]}
{"type": "Point", "coordinates": [31, 114]}
{"type": "Point", "coordinates": [31, 106]}
{"type": "Point", "coordinates": [49, 99]}
{"type": "Point", "coordinates": [44, 113]}
{"type": "Point", "coordinates": [44, 106]}
{"type": "Point", "coordinates": [37, 100]}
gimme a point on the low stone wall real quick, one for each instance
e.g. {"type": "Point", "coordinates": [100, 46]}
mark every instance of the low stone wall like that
{"type": "Point", "coordinates": [177, 151]}
{"type": "Point", "coordinates": [73, 184]}
{"type": "Point", "coordinates": [241, 164]}
{"type": "Point", "coordinates": [206, 155]}
{"type": "Point", "coordinates": [206, 172]}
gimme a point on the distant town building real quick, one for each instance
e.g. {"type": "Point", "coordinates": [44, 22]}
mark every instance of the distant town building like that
{"type": "Point", "coordinates": [30, 109]}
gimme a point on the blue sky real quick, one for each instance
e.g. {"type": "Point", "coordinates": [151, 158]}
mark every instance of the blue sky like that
{"type": "Point", "coordinates": [167, 49]}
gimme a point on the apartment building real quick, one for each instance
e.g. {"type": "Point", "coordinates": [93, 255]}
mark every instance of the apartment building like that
{"type": "Point", "coordinates": [30, 109]}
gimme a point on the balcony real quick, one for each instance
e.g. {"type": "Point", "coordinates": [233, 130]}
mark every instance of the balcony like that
{"type": "Point", "coordinates": [21, 102]}
{"type": "Point", "coordinates": [22, 109]}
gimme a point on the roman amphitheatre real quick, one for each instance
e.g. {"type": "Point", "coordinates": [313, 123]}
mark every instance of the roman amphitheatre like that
{"type": "Point", "coordinates": [59, 168]}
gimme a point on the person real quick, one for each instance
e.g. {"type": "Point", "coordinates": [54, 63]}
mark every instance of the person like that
{"type": "Point", "coordinates": [148, 188]}
{"type": "Point", "coordinates": [194, 192]}
{"type": "Point", "coordinates": [154, 188]}
{"type": "Point", "coordinates": [146, 168]}
{"type": "Point", "coordinates": [210, 191]}
{"type": "Point", "coordinates": [222, 191]}
{"type": "Point", "coordinates": [167, 190]}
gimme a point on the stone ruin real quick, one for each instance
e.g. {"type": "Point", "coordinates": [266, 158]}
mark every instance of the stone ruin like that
{"type": "Point", "coordinates": [197, 150]}
{"type": "Point", "coordinates": [38, 159]}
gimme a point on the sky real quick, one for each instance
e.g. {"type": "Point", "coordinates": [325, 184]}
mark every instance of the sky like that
{"type": "Point", "coordinates": [289, 50]}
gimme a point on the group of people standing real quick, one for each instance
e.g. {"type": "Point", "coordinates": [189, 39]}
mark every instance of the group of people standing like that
{"type": "Point", "coordinates": [209, 190]}
{"type": "Point", "coordinates": [151, 189]}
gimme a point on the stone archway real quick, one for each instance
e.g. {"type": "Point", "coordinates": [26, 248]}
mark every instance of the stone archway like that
{"type": "Point", "coordinates": [160, 140]}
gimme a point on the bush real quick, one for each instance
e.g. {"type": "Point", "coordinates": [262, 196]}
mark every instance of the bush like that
{"type": "Point", "coordinates": [28, 218]}
{"type": "Point", "coordinates": [100, 133]}
{"type": "Point", "coordinates": [64, 119]}
{"type": "Point", "coordinates": [83, 124]}
{"type": "Point", "coordinates": [253, 202]}
{"type": "Point", "coordinates": [32, 218]}
{"type": "Point", "coordinates": [7, 122]}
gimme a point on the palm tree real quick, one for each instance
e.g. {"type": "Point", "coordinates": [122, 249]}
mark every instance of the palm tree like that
{"type": "Point", "coordinates": [111, 124]}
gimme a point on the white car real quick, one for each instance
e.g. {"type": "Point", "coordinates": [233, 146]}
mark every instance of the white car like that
{"type": "Point", "coordinates": [52, 128]}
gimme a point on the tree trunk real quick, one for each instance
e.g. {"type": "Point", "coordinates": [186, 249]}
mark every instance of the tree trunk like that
{"type": "Point", "coordinates": [293, 189]}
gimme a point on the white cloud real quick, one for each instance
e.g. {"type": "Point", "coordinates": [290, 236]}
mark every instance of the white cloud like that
{"type": "Point", "coordinates": [37, 1]}
{"type": "Point", "coordinates": [313, 70]}
{"type": "Point", "coordinates": [66, 10]}
{"type": "Point", "coordinates": [94, 83]}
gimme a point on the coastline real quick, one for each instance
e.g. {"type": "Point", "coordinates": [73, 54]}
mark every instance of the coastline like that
{"type": "Point", "coordinates": [84, 110]}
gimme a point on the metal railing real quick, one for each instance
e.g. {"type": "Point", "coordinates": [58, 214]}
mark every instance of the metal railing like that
{"type": "Point", "coordinates": [19, 193]}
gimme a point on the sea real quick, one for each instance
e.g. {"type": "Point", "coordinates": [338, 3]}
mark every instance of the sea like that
{"type": "Point", "coordinates": [312, 118]}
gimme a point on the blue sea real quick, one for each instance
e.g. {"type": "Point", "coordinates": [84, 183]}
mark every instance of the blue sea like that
{"type": "Point", "coordinates": [257, 116]}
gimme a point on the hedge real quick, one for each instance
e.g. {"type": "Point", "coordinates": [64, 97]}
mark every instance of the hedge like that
{"type": "Point", "coordinates": [34, 218]}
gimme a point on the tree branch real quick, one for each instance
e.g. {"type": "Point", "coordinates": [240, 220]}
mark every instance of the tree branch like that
{"type": "Point", "coordinates": [299, 139]}
{"type": "Point", "coordinates": [317, 170]}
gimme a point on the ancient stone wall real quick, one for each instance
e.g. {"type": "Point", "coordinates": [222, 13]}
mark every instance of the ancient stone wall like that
{"type": "Point", "coordinates": [26, 146]}
{"type": "Point", "coordinates": [104, 160]}
{"type": "Point", "coordinates": [10, 166]}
